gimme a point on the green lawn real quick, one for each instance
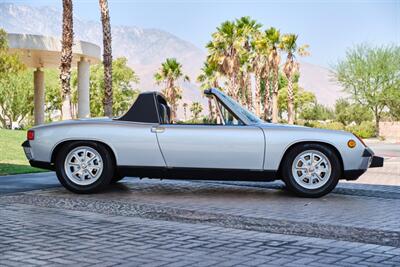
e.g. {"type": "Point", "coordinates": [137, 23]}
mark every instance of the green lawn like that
{"type": "Point", "coordinates": [12, 157]}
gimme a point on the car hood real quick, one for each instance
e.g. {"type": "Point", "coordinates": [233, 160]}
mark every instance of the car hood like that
{"type": "Point", "coordinates": [288, 127]}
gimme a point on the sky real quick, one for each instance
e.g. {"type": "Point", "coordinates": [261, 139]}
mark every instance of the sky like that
{"type": "Point", "coordinates": [329, 27]}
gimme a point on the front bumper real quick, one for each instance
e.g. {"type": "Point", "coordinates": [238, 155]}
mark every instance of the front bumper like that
{"type": "Point", "coordinates": [374, 161]}
{"type": "Point", "coordinates": [369, 161]}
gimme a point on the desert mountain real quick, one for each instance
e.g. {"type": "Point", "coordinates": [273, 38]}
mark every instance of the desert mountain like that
{"type": "Point", "coordinates": [145, 49]}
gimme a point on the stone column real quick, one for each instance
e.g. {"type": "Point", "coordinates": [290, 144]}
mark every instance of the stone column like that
{"type": "Point", "coordinates": [38, 84]}
{"type": "Point", "coordinates": [83, 88]}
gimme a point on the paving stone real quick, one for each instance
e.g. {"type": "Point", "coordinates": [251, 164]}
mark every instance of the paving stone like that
{"type": "Point", "coordinates": [197, 224]}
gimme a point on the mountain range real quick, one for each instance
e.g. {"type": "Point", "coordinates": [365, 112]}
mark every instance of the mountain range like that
{"type": "Point", "coordinates": [146, 48]}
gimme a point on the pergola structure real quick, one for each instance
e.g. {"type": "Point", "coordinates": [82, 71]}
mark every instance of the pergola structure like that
{"type": "Point", "coordinates": [38, 52]}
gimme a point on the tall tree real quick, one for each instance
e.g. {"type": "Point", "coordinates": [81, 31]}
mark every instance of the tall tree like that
{"type": "Point", "coordinates": [107, 58]}
{"type": "Point", "coordinates": [209, 79]}
{"type": "Point", "coordinates": [185, 105]}
{"type": "Point", "coordinates": [262, 49]}
{"type": "Point", "coordinates": [16, 97]}
{"type": "Point", "coordinates": [66, 59]}
{"type": "Point", "coordinates": [196, 109]}
{"type": "Point", "coordinates": [290, 68]}
{"type": "Point", "coordinates": [247, 29]}
{"type": "Point", "coordinates": [224, 50]}
{"type": "Point", "coordinates": [369, 75]}
{"type": "Point", "coordinates": [169, 73]}
{"type": "Point", "coordinates": [274, 37]}
{"type": "Point", "coordinates": [123, 91]}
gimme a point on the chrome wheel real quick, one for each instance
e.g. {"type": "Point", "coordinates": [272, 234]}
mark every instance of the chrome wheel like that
{"type": "Point", "coordinates": [83, 165]}
{"type": "Point", "coordinates": [311, 169]}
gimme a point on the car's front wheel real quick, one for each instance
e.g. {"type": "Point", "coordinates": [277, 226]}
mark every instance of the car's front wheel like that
{"type": "Point", "coordinates": [311, 170]}
{"type": "Point", "coordinates": [84, 167]}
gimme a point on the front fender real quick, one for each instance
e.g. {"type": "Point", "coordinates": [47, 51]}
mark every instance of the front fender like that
{"type": "Point", "coordinates": [280, 139]}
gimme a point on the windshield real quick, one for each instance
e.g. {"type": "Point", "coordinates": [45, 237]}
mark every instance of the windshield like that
{"type": "Point", "coordinates": [238, 109]}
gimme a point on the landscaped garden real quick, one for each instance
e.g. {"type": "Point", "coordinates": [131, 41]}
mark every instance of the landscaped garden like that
{"type": "Point", "coordinates": [12, 157]}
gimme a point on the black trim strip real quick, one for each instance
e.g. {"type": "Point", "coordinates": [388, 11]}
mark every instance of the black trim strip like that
{"type": "Point", "coordinates": [26, 144]}
{"type": "Point", "coordinates": [352, 174]}
{"type": "Point", "coordinates": [42, 165]}
{"type": "Point", "coordinates": [198, 173]}
{"type": "Point", "coordinates": [376, 162]}
{"type": "Point", "coordinates": [368, 152]}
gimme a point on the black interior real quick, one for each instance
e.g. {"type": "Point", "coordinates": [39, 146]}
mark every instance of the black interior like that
{"type": "Point", "coordinates": [163, 110]}
{"type": "Point", "coordinates": [146, 109]}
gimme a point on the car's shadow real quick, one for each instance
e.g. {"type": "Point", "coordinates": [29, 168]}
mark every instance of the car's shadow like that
{"type": "Point", "coordinates": [196, 188]}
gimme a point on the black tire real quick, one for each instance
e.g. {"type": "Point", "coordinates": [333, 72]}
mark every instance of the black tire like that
{"type": "Point", "coordinates": [105, 177]}
{"type": "Point", "coordinates": [117, 177]}
{"type": "Point", "coordinates": [301, 191]}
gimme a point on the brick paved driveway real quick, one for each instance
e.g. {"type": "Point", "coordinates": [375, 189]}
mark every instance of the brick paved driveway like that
{"type": "Point", "coordinates": [192, 223]}
{"type": "Point", "coordinates": [32, 236]}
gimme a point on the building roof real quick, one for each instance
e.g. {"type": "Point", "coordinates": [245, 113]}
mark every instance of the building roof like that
{"type": "Point", "coordinates": [38, 51]}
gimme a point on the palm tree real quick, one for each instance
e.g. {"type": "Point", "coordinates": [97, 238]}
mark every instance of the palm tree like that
{"type": "Point", "coordinates": [262, 49]}
{"type": "Point", "coordinates": [107, 58]}
{"type": "Point", "coordinates": [66, 59]}
{"type": "Point", "coordinates": [291, 67]}
{"type": "Point", "coordinates": [247, 29]}
{"type": "Point", "coordinates": [196, 109]}
{"type": "Point", "coordinates": [209, 79]}
{"type": "Point", "coordinates": [185, 105]}
{"type": "Point", "coordinates": [224, 51]}
{"type": "Point", "coordinates": [273, 35]}
{"type": "Point", "coordinates": [169, 73]}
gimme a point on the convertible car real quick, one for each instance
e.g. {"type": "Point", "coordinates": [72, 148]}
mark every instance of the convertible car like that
{"type": "Point", "coordinates": [89, 154]}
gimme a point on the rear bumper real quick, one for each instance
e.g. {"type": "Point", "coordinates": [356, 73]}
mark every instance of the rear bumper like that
{"type": "Point", "coordinates": [35, 163]}
{"type": "Point", "coordinates": [42, 165]}
{"type": "Point", "coordinates": [369, 161]}
{"type": "Point", "coordinates": [27, 150]}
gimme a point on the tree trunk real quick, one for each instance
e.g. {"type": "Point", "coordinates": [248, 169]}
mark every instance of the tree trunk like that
{"type": "Point", "coordinates": [267, 100]}
{"type": "Point", "coordinates": [233, 92]}
{"type": "Point", "coordinates": [290, 100]}
{"type": "Point", "coordinates": [107, 58]}
{"type": "Point", "coordinates": [257, 101]}
{"type": "Point", "coordinates": [66, 59]}
{"type": "Point", "coordinates": [249, 94]}
{"type": "Point", "coordinates": [275, 90]}
{"type": "Point", "coordinates": [210, 107]}
{"type": "Point", "coordinates": [3, 123]}
{"type": "Point", "coordinates": [377, 119]}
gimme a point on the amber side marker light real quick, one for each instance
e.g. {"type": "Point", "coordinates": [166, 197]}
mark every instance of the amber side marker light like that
{"type": "Point", "coordinates": [351, 143]}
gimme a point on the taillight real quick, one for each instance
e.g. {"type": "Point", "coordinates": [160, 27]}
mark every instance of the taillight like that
{"type": "Point", "coordinates": [30, 135]}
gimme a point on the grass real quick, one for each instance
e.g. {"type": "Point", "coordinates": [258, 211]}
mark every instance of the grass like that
{"type": "Point", "coordinates": [12, 156]}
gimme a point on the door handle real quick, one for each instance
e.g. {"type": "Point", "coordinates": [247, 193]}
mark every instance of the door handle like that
{"type": "Point", "coordinates": [157, 129]}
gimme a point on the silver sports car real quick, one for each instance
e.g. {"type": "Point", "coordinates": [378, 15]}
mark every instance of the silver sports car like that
{"type": "Point", "coordinates": [89, 154]}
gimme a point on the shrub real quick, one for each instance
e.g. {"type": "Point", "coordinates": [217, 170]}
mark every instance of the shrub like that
{"type": "Point", "coordinates": [364, 130]}
{"type": "Point", "coordinates": [312, 124]}
{"type": "Point", "coordinates": [334, 125]}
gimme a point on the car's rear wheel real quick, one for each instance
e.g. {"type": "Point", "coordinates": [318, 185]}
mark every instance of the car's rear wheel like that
{"type": "Point", "coordinates": [311, 170]}
{"type": "Point", "coordinates": [84, 167]}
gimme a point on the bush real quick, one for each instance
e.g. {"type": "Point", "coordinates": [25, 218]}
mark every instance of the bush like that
{"type": "Point", "coordinates": [312, 124]}
{"type": "Point", "coordinates": [334, 125]}
{"type": "Point", "coordinates": [364, 130]}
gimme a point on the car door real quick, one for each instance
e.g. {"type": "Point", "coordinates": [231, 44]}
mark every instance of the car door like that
{"type": "Point", "coordinates": [212, 146]}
